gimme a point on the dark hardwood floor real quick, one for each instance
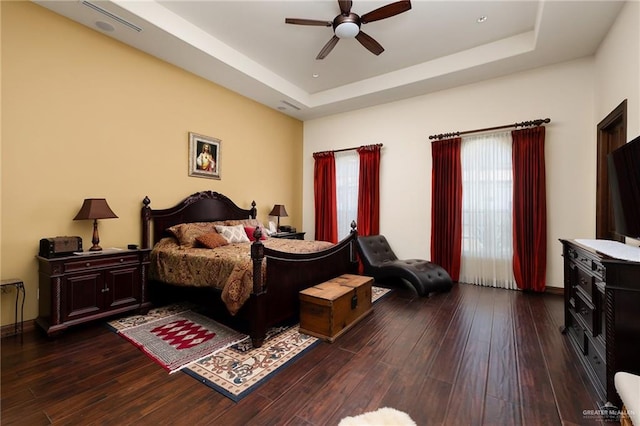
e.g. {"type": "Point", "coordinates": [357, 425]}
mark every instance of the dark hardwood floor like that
{"type": "Point", "coordinates": [474, 356]}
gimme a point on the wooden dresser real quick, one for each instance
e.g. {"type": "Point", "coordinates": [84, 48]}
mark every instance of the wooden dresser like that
{"type": "Point", "coordinates": [80, 288]}
{"type": "Point", "coordinates": [602, 312]}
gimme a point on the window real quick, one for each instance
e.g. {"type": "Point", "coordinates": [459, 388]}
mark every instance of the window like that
{"type": "Point", "coordinates": [487, 210]}
{"type": "Point", "coordinates": [347, 176]}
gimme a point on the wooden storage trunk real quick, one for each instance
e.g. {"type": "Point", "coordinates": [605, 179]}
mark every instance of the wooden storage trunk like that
{"type": "Point", "coordinates": [329, 309]}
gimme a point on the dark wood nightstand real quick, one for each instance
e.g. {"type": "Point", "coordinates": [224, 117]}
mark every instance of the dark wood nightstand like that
{"type": "Point", "coordinates": [80, 288]}
{"type": "Point", "coordinates": [289, 235]}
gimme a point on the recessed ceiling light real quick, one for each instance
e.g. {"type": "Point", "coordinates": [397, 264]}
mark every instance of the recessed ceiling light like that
{"type": "Point", "coordinates": [315, 75]}
{"type": "Point", "coordinates": [481, 19]}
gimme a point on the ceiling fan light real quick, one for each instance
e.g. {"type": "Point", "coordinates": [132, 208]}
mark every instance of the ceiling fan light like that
{"type": "Point", "coordinates": [347, 30]}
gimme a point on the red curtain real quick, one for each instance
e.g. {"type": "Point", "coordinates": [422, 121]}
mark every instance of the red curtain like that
{"type": "Point", "coordinates": [446, 205]}
{"type": "Point", "coordinates": [369, 190]}
{"type": "Point", "coordinates": [529, 209]}
{"type": "Point", "coordinates": [325, 197]}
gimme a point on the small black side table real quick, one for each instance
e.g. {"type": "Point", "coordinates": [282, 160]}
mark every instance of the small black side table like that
{"type": "Point", "coordinates": [289, 235]}
{"type": "Point", "coordinates": [19, 285]}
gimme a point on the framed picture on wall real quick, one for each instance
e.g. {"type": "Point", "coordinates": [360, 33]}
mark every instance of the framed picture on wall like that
{"type": "Point", "coordinates": [204, 156]}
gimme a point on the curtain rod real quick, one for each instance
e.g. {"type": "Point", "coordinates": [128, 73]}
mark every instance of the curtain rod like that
{"type": "Point", "coordinates": [536, 122]}
{"type": "Point", "coordinates": [348, 149]}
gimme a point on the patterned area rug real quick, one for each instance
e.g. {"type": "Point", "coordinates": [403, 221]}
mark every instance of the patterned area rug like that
{"type": "Point", "coordinates": [175, 337]}
{"type": "Point", "coordinates": [237, 368]}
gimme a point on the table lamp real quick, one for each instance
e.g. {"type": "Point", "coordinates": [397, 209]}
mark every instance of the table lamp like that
{"type": "Point", "coordinates": [278, 210]}
{"type": "Point", "coordinates": [95, 208]}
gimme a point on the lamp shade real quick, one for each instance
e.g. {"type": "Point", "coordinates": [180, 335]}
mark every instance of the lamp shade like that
{"type": "Point", "coordinates": [278, 210]}
{"type": "Point", "coordinates": [95, 208]}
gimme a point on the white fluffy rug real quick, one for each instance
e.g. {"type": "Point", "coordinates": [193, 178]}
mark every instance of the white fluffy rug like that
{"type": "Point", "coordinates": [383, 416]}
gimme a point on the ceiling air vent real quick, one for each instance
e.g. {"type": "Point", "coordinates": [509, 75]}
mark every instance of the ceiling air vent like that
{"type": "Point", "coordinates": [112, 16]}
{"type": "Point", "coordinates": [291, 105]}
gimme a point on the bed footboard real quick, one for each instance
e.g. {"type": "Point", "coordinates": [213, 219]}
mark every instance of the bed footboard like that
{"type": "Point", "coordinates": [275, 297]}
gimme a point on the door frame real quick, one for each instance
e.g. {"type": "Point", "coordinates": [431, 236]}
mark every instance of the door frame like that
{"type": "Point", "coordinates": [612, 134]}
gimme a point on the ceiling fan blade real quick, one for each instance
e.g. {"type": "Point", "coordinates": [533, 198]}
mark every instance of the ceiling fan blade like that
{"type": "Point", "coordinates": [368, 42]}
{"type": "Point", "coordinates": [345, 6]}
{"type": "Point", "coordinates": [387, 11]}
{"type": "Point", "coordinates": [315, 22]}
{"type": "Point", "coordinates": [328, 47]}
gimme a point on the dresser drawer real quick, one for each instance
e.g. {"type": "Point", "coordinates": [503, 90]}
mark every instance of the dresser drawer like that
{"type": "Point", "coordinates": [597, 362]}
{"type": "Point", "coordinates": [87, 262]}
{"type": "Point", "coordinates": [588, 264]}
{"type": "Point", "coordinates": [585, 281]}
{"type": "Point", "coordinates": [576, 332]}
{"type": "Point", "coordinates": [585, 311]}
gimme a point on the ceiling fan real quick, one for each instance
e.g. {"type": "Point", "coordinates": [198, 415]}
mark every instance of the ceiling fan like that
{"type": "Point", "coordinates": [347, 25]}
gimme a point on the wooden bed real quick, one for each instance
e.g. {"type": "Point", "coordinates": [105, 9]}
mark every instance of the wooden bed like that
{"type": "Point", "coordinates": [274, 298]}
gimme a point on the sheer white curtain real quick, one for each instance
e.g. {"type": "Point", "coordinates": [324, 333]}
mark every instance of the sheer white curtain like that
{"type": "Point", "coordinates": [487, 206]}
{"type": "Point", "coordinates": [347, 175]}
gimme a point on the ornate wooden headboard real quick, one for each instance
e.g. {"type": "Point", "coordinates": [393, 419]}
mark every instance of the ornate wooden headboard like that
{"type": "Point", "coordinates": [204, 206]}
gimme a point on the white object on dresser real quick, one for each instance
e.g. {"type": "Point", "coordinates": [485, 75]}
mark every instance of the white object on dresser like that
{"type": "Point", "coordinates": [613, 249]}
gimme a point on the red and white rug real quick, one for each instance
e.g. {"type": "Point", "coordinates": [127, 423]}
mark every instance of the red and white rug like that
{"type": "Point", "coordinates": [176, 339]}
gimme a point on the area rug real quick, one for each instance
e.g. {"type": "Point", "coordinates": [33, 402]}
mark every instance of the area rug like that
{"type": "Point", "coordinates": [239, 369]}
{"type": "Point", "coordinates": [235, 368]}
{"type": "Point", "coordinates": [174, 337]}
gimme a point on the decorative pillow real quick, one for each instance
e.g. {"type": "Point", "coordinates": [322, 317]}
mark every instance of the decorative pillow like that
{"type": "Point", "coordinates": [186, 233]}
{"type": "Point", "coordinates": [212, 240]}
{"type": "Point", "coordinates": [250, 230]}
{"type": "Point", "coordinates": [244, 222]}
{"type": "Point", "coordinates": [233, 234]}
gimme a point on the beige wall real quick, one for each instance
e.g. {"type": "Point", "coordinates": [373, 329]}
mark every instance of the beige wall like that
{"type": "Point", "coordinates": [618, 69]}
{"type": "Point", "coordinates": [576, 95]}
{"type": "Point", "coordinates": [86, 116]}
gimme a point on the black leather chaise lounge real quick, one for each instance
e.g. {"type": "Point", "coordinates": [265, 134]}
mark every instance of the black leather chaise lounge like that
{"type": "Point", "coordinates": [381, 263]}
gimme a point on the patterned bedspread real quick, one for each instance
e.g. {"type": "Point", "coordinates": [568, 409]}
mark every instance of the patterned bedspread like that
{"type": "Point", "coordinates": [227, 268]}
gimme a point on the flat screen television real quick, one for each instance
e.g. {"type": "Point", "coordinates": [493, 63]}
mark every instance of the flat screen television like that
{"type": "Point", "coordinates": [624, 185]}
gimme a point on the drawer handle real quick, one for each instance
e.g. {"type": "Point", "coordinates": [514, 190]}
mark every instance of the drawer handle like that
{"type": "Point", "coordinates": [87, 264]}
{"type": "Point", "coordinates": [104, 290]}
{"type": "Point", "coordinates": [584, 311]}
{"type": "Point", "coordinates": [121, 260]}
